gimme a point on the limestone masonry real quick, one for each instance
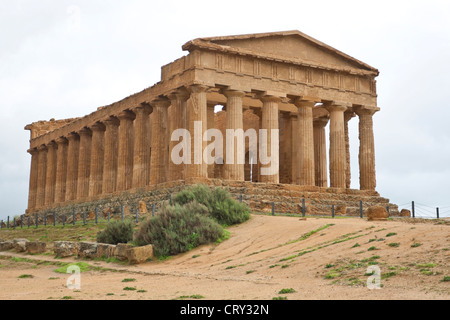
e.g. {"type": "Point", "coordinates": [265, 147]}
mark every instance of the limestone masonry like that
{"type": "Point", "coordinates": [282, 80]}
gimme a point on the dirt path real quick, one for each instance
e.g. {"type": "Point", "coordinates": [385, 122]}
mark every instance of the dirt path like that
{"type": "Point", "coordinates": [319, 258]}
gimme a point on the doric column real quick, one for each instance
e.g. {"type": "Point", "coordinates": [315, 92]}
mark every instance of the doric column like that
{"type": "Point", "coordinates": [97, 159]}
{"type": "Point", "coordinates": [141, 161]}
{"type": "Point", "coordinates": [271, 165]}
{"type": "Point", "coordinates": [73, 151]}
{"type": "Point", "coordinates": [125, 152]}
{"type": "Point", "coordinates": [33, 179]}
{"type": "Point", "coordinates": [159, 163]}
{"type": "Point", "coordinates": [211, 117]}
{"type": "Point", "coordinates": [306, 142]}
{"type": "Point", "coordinates": [348, 115]}
{"type": "Point", "coordinates": [110, 157]}
{"type": "Point", "coordinates": [84, 163]}
{"type": "Point", "coordinates": [294, 149]}
{"type": "Point", "coordinates": [286, 147]}
{"type": "Point", "coordinates": [234, 163]}
{"type": "Point", "coordinates": [197, 125]}
{"type": "Point", "coordinates": [367, 176]}
{"type": "Point", "coordinates": [61, 170]}
{"type": "Point", "coordinates": [320, 152]}
{"type": "Point", "coordinates": [177, 120]}
{"type": "Point", "coordinates": [42, 175]}
{"type": "Point", "coordinates": [50, 181]}
{"type": "Point", "coordinates": [337, 145]}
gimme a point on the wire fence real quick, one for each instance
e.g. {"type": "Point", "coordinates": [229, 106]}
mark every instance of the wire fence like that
{"type": "Point", "coordinates": [99, 215]}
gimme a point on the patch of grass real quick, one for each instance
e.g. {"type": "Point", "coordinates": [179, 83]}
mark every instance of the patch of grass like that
{"type": "Point", "coordinates": [390, 234]}
{"type": "Point", "coordinates": [372, 248]}
{"type": "Point", "coordinates": [193, 296]}
{"type": "Point", "coordinates": [332, 274]}
{"type": "Point", "coordinates": [279, 298]}
{"type": "Point", "coordinates": [67, 298]}
{"type": "Point", "coordinates": [425, 265]}
{"type": "Point", "coordinates": [25, 276]}
{"type": "Point", "coordinates": [249, 271]}
{"type": "Point", "coordinates": [129, 288]}
{"type": "Point", "coordinates": [53, 278]}
{"type": "Point", "coordinates": [356, 245]}
{"type": "Point", "coordinates": [415, 245]}
{"type": "Point", "coordinates": [195, 256]}
{"type": "Point", "coordinates": [394, 244]}
{"type": "Point", "coordinates": [329, 265]}
{"type": "Point", "coordinates": [141, 291]}
{"type": "Point", "coordinates": [426, 272]}
{"type": "Point", "coordinates": [273, 266]}
{"type": "Point", "coordinates": [284, 266]}
{"type": "Point", "coordinates": [446, 279]}
{"type": "Point", "coordinates": [110, 294]}
{"type": "Point", "coordinates": [129, 280]}
{"type": "Point", "coordinates": [286, 291]}
{"type": "Point", "coordinates": [82, 265]}
{"type": "Point", "coordinates": [388, 274]}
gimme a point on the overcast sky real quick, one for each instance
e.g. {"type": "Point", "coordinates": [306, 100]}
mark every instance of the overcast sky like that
{"type": "Point", "coordinates": [62, 59]}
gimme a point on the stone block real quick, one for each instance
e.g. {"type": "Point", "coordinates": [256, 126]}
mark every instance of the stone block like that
{"type": "Point", "coordinates": [121, 251]}
{"type": "Point", "coordinates": [65, 249]}
{"type": "Point", "coordinates": [6, 245]}
{"type": "Point", "coordinates": [405, 213]}
{"type": "Point", "coordinates": [35, 247]}
{"type": "Point", "coordinates": [140, 254]}
{"type": "Point", "coordinates": [88, 250]}
{"type": "Point", "coordinates": [377, 213]}
{"type": "Point", "coordinates": [20, 244]}
{"type": "Point", "coordinates": [105, 250]}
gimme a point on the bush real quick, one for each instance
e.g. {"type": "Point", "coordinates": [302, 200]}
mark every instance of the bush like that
{"type": "Point", "coordinates": [178, 229]}
{"type": "Point", "coordinates": [116, 232]}
{"type": "Point", "coordinates": [222, 207]}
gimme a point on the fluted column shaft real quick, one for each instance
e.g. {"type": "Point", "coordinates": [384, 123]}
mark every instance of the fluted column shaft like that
{"type": "Point", "coordinates": [234, 163]}
{"type": "Point", "coordinates": [337, 145]}
{"type": "Point", "coordinates": [160, 142]}
{"type": "Point", "coordinates": [306, 142]}
{"type": "Point", "coordinates": [294, 149]}
{"type": "Point", "coordinates": [33, 179]}
{"type": "Point", "coordinates": [320, 152]}
{"type": "Point", "coordinates": [141, 161]}
{"type": "Point", "coordinates": [198, 121]}
{"type": "Point", "coordinates": [61, 170]}
{"type": "Point", "coordinates": [125, 152]}
{"type": "Point", "coordinates": [211, 125]}
{"type": "Point", "coordinates": [348, 115]}
{"type": "Point", "coordinates": [177, 120]}
{"type": "Point", "coordinates": [73, 150]}
{"type": "Point", "coordinates": [50, 181]}
{"type": "Point", "coordinates": [97, 159]}
{"type": "Point", "coordinates": [270, 171]}
{"type": "Point", "coordinates": [367, 176]}
{"type": "Point", "coordinates": [42, 175]}
{"type": "Point", "coordinates": [110, 155]}
{"type": "Point", "coordinates": [84, 163]}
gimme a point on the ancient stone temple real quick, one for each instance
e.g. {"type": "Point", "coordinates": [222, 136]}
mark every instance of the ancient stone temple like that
{"type": "Point", "coordinates": [285, 82]}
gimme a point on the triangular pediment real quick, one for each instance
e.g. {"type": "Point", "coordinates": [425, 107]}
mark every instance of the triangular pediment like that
{"type": "Point", "coordinates": [292, 45]}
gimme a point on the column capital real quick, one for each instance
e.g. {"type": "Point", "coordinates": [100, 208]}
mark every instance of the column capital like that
{"type": "Point", "coordinates": [336, 106]}
{"type": "Point", "coordinates": [270, 98]}
{"type": "Point", "coordinates": [305, 102]}
{"type": "Point", "coordinates": [42, 147]}
{"type": "Point", "coordinates": [179, 94]}
{"type": "Point", "coordinates": [61, 140]}
{"type": "Point", "coordinates": [52, 145]}
{"type": "Point", "coordinates": [85, 132]}
{"type": "Point", "coordinates": [143, 108]}
{"type": "Point", "coordinates": [232, 93]}
{"type": "Point", "coordinates": [365, 110]}
{"type": "Point", "coordinates": [111, 121]}
{"type": "Point", "coordinates": [73, 136]}
{"type": "Point", "coordinates": [321, 122]}
{"type": "Point", "coordinates": [98, 126]}
{"type": "Point", "coordinates": [348, 115]}
{"type": "Point", "coordinates": [126, 115]}
{"type": "Point", "coordinates": [197, 88]}
{"type": "Point", "coordinates": [32, 151]}
{"type": "Point", "coordinates": [161, 102]}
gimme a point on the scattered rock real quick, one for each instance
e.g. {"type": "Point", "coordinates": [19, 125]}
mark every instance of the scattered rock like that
{"type": "Point", "coordinates": [35, 247]}
{"type": "Point", "coordinates": [65, 249]}
{"type": "Point", "coordinates": [121, 251]}
{"type": "Point", "coordinates": [20, 244]}
{"type": "Point", "coordinates": [405, 213]}
{"type": "Point", "coordinates": [105, 250]}
{"type": "Point", "coordinates": [88, 250]}
{"type": "Point", "coordinates": [377, 213]}
{"type": "Point", "coordinates": [6, 245]}
{"type": "Point", "coordinates": [140, 254]}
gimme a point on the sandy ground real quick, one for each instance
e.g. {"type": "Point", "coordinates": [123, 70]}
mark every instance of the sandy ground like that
{"type": "Point", "coordinates": [262, 257]}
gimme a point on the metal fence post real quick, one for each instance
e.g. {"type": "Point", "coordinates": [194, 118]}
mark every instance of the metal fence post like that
{"type": "Point", "coordinates": [413, 210]}
{"type": "Point", "coordinates": [1, 224]}
{"type": "Point", "coordinates": [21, 222]}
{"type": "Point", "coordinates": [7, 223]}
{"type": "Point", "coordinates": [361, 212]}
{"type": "Point", "coordinates": [14, 222]}
{"type": "Point", "coordinates": [37, 221]}
{"type": "Point", "coordinates": [153, 210]}
{"type": "Point", "coordinates": [29, 221]}
{"type": "Point", "coordinates": [137, 215]}
{"type": "Point", "coordinates": [123, 212]}
{"type": "Point", "coordinates": [45, 220]}
{"type": "Point", "coordinates": [96, 215]}
{"type": "Point", "coordinates": [109, 216]}
{"type": "Point", "coordinates": [84, 218]}
{"type": "Point", "coordinates": [437, 213]}
{"type": "Point", "coordinates": [64, 220]}
{"type": "Point", "coordinates": [303, 207]}
{"type": "Point", "coordinates": [332, 211]}
{"type": "Point", "coordinates": [73, 217]}
{"type": "Point", "coordinates": [240, 197]}
{"type": "Point", "coordinates": [273, 208]}
{"type": "Point", "coordinates": [388, 211]}
{"type": "Point", "coordinates": [54, 219]}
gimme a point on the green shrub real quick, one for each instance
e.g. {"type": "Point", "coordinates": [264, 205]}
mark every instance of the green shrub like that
{"type": "Point", "coordinates": [222, 207]}
{"type": "Point", "coordinates": [178, 229]}
{"type": "Point", "coordinates": [116, 232]}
